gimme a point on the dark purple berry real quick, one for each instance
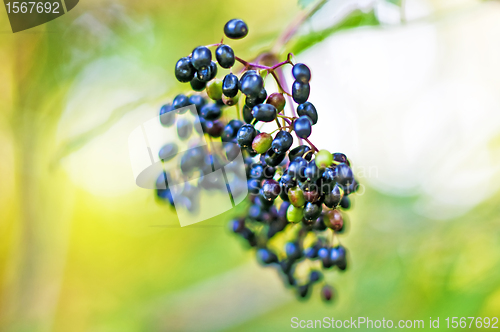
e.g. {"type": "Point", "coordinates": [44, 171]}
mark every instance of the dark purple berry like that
{"type": "Point", "coordinates": [312, 211]}
{"type": "Point", "coordinates": [237, 225]}
{"type": "Point", "coordinates": [314, 276]}
{"type": "Point", "coordinates": [247, 114]}
{"type": "Point", "coordinates": [252, 84]}
{"type": "Point", "coordinates": [168, 151]}
{"type": "Point", "coordinates": [308, 109]}
{"type": "Point", "coordinates": [252, 101]}
{"type": "Point", "coordinates": [270, 189]}
{"type": "Point", "coordinates": [344, 175]}
{"type": "Point", "coordinates": [312, 172]}
{"type": "Point", "coordinates": [345, 203]}
{"type": "Point", "coordinates": [207, 73]}
{"type": "Point", "coordinates": [198, 85]}
{"type": "Point", "coordinates": [245, 136]}
{"type": "Point", "coordinates": [266, 256]}
{"type": "Point", "coordinates": [231, 130]}
{"type": "Point", "coordinates": [214, 128]}
{"type": "Point", "coordinates": [184, 128]}
{"type": "Point", "coordinates": [197, 101]}
{"type": "Point", "coordinates": [333, 198]}
{"type": "Point", "coordinates": [297, 167]}
{"type": "Point", "coordinates": [327, 293]}
{"type": "Point", "coordinates": [201, 57]}
{"type": "Point", "coordinates": [211, 112]}
{"type": "Point", "coordinates": [340, 158]}
{"type": "Point", "coordinates": [225, 56]}
{"type": "Point", "coordinates": [300, 92]}
{"type": "Point", "coordinates": [302, 126]}
{"type": "Point", "coordinates": [282, 142]}
{"type": "Point", "coordinates": [184, 70]}
{"type": "Point", "coordinates": [167, 116]}
{"type": "Point", "coordinates": [235, 29]}
{"type": "Point", "coordinates": [273, 159]}
{"type": "Point", "coordinates": [299, 151]}
{"type": "Point", "coordinates": [179, 102]}
{"type": "Point", "coordinates": [277, 100]}
{"type": "Point", "coordinates": [264, 112]}
{"type": "Point", "coordinates": [303, 290]}
{"type": "Point", "coordinates": [301, 73]}
{"type": "Point", "coordinates": [230, 85]}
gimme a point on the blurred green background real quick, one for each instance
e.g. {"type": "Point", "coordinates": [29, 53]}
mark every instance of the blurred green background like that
{"type": "Point", "coordinates": [83, 249]}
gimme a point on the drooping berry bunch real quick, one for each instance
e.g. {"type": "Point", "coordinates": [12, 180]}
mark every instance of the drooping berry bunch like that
{"type": "Point", "coordinates": [296, 193]}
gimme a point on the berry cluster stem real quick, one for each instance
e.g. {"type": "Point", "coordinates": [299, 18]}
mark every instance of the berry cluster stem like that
{"type": "Point", "coordinates": [312, 145]}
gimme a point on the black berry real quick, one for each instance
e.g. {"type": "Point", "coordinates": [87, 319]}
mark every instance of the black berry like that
{"type": "Point", "coordinates": [300, 92]}
{"type": "Point", "coordinates": [225, 56]}
{"type": "Point", "coordinates": [301, 73]}
{"type": "Point", "coordinates": [309, 110]}
{"type": "Point", "coordinates": [264, 112]}
{"type": "Point", "coordinates": [230, 85]}
{"type": "Point", "coordinates": [235, 29]}
{"type": "Point", "coordinates": [302, 126]}
{"type": "Point", "coordinates": [184, 70]}
{"type": "Point", "coordinates": [201, 57]}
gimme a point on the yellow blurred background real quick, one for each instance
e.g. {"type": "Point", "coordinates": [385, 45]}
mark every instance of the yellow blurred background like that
{"type": "Point", "coordinates": [410, 96]}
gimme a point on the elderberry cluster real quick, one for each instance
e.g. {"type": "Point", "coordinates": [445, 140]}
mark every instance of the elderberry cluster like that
{"type": "Point", "coordinates": [296, 193]}
{"type": "Point", "coordinates": [197, 161]}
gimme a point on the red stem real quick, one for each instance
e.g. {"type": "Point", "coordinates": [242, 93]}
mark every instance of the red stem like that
{"type": "Point", "coordinates": [312, 145]}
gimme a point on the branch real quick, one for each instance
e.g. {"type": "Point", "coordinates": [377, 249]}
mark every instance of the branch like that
{"type": "Point", "coordinates": [292, 29]}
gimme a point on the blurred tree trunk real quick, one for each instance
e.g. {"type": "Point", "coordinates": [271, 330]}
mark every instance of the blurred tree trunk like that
{"type": "Point", "coordinates": [41, 232]}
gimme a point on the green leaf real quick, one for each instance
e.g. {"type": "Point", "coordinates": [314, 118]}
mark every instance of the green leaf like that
{"type": "Point", "coordinates": [396, 2]}
{"type": "Point", "coordinates": [355, 19]}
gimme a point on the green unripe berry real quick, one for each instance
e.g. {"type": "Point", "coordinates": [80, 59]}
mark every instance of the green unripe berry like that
{"type": "Point", "coordinates": [296, 197]}
{"type": "Point", "coordinates": [294, 214]}
{"type": "Point", "coordinates": [323, 159]}
{"type": "Point", "coordinates": [214, 89]}
{"type": "Point", "coordinates": [262, 142]}
{"type": "Point", "coordinates": [277, 100]}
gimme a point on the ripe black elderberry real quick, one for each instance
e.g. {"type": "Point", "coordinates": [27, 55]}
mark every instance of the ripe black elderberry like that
{"type": "Point", "coordinates": [282, 142]}
{"type": "Point", "coordinates": [251, 85]}
{"type": "Point", "coordinates": [274, 159]}
{"type": "Point", "coordinates": [230, 85]}
{"type": "Point", "coordinates": [236, 29]}
{"type": "Point", "coordinates": [270, 189]}
{"type": "Point", "coordinates": [225, 56]}
{"type": "Point", "coordinates": [309, 110]}
{"type": "Point", "coordinates": [254, 100]}
{"type": "Point", "coordinates": [207, 73]}
{"type": "Point", "coordinates": [180, 101]}
{"type": "Point", "coordinates": [168, 151]}
{"type": "Point", "coordinates": [184, 70]}
{"type": "Point", "coordinates": [300, 92]}
{"type": "Point", "coordinates": [302, 126]}
{"type": "Point", "coordinates": [167, 117]}
{"type": "Point", "coordinates": [300, 151]}
{"type": "Point", "coordinates": [245, 136]}
{"type": "Point", "coordinates": [197, 85]}
{"type": "Point", "coordinates": [301, 73]}
{"type": "Point", "coordinates": [201, 57]}
{"type": "Point", "coordinates": [264, 112]}
{"type": "Point", "coordinates": [211, 112]}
